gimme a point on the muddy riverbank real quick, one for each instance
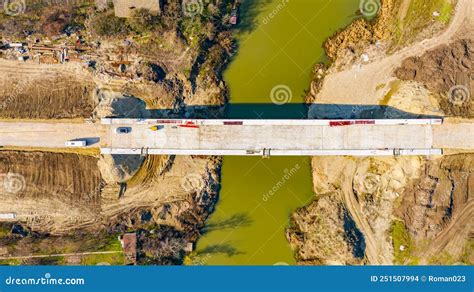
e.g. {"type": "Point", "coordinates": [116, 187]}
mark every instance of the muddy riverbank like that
{"type": "Point", "coordinates": [267, 79]}
{"type": "Point", "coordinates": [364, 206]}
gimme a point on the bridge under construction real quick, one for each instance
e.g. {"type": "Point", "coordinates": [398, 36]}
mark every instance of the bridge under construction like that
{"type": "Point", "coordinates": [384, 137]}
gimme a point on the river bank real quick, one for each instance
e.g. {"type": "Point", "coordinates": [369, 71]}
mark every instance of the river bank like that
{"type": "Point", "coordinates": [149, 65]}
{"type": "Point", "coordinates": [267, 79]}
{"type": "Point", "coordinates": [360, 214]}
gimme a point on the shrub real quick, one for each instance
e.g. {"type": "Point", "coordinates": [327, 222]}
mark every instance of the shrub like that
{"type": "Point", "coordinates": [109, 25]}
{"type": "Point", "coordinates": [143, 21]}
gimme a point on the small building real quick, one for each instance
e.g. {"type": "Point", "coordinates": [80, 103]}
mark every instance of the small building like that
{"type": "Point", "coordinates": [234, 16]}
{"type": "Point", "coordinates": [125, 8]}
{"type": "Point", "coordinates": [129, 245]}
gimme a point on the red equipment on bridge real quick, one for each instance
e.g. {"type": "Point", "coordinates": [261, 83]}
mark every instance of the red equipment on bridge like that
{"type": "Point", "coordinates": [189, 125]}
{"type": "Point", "coordinates": [349, 123]}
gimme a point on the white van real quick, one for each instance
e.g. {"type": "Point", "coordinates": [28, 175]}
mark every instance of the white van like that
{"type": "Point", "coordinates": [7, 216]}
{"type": "Point", "coordinates": [76, 143]}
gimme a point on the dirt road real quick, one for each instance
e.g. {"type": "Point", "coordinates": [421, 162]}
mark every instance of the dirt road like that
{"type": "Point", "coordinates": [48, 135]}
{"type": "Point", "coordinates": [373, 249]}
{"type": "Point", "coordinates": [368, 84]}
{"type": "Point", "coordinates": [454, 234]}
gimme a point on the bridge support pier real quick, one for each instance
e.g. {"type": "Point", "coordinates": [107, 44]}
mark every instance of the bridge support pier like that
{"type": "Point", "coordinates": [266, 153]}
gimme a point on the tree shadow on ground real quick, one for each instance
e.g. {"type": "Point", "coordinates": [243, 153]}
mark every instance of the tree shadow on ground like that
{"type": "Point", "coordinates": [234, 221]}
{"type": "Point", "coordinates": [222, 248]}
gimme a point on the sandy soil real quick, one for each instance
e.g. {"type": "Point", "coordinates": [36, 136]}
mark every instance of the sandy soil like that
{"type": "Point", "coordinates": [34, 91]}
{"type": "Point", "coordinates": [367, 189]}
{"type": "Point", "coordinates": [446, 73]}
{"type": "Point", "coordinates": [373, 79]}
{"type": "Point", "coordinates": [48, 190]}
{"type": "Point", "coordinates": [56, 193]}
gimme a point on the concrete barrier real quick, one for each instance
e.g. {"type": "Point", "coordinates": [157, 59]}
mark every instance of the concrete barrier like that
{"type": "Point", "coordinates": [261, 122]}
{"type": "Point", "coordinates": [273, 152]}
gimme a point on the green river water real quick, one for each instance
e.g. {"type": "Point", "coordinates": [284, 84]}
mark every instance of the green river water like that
{"type": "Point", "coordinates": [279, 42]}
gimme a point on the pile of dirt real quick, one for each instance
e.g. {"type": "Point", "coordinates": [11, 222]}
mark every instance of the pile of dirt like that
{"type": "Point", "coordinates": [448, 72]}
{"type": "Point", "coordinates": [167, 199]}
{"type": "Point", "coordinates": [437, 208]}
{"type": "Point", "coordinates": [167, 94]}
{"type": "Point", "coordinates": [119, 168]}
{"type": "Point", "coordinates": [75, 177]}
{"type": "Point", "coordinates": [132, 194]}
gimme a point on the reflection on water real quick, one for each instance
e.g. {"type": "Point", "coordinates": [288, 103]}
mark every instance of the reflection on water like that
{"type": "Point", "coordinates": [256, 200]}
{"type": "Point", "coordinates": [279, 41]}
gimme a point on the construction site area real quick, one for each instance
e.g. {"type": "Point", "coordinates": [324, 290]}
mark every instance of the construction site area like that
{"type": "Point", "coordinates": [109, 153]}
{"type": "Point", "coordinates": [68, 68]}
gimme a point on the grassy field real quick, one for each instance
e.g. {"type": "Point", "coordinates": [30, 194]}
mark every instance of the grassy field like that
{"type": "Point", "coordinates": [113, 259]}
{"type": "Point", "coordinates": [421, 14]}
{"type": "Point", "coordinates": [400, 237]}
{"type": "Point", "coordinates": [113, 244]}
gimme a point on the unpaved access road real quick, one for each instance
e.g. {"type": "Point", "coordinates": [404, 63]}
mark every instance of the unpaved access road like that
{"type": "Point", "coordinates": [49, 135]}
{"type": "Point", "coordinates": [361, 84]}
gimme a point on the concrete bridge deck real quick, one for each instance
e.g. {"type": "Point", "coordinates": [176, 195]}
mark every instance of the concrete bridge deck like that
{"type": "Point", "coordinates": [250, 137]}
